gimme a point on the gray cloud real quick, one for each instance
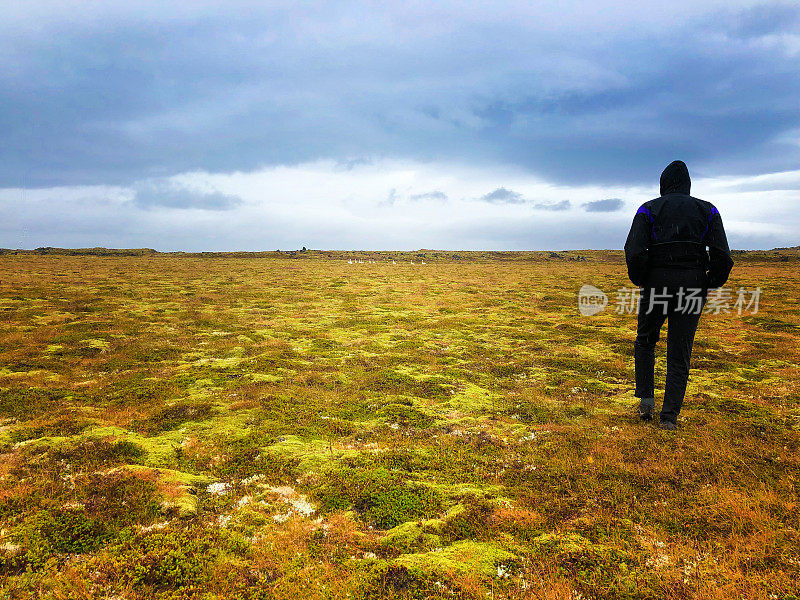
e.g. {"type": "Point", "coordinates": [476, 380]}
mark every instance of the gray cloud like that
{"type": "Point", "coordinates": [352, 163]}
{"type": "Point", "coordinates": [775, 182]}
{"type": "Point", "coordinates": [765, 19]}
{"type": "Point", "coordinates": [116, 95]}
{"type": "Point", "coordinates": [562, 205]}
{"type": "Point", "coordinates": [390, 199]}
{"type": "Point", "coordinates": [503, 196]}
{"type": "Point", "coordinates": [167, 195]}
{"type": "Point", "coordinates": [434, 195]}
{"type": "Point", "coordinates": [84, 217]}
{"type": "Point", "coordinates": [607, 205]}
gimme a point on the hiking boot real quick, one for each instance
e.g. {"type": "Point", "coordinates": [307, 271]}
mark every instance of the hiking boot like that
{"type": "Point", "coordinates": [645, 409]}
{"type": "Point", "coordinates": [668, 425]}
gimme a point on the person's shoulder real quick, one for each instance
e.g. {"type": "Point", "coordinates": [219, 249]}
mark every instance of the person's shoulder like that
{"type": "Point", "coordinates": [706, 206]}
{"type": "Point", "coordinates": [652, 207]}
{"type": "Point", "coordinates": [647, 207]}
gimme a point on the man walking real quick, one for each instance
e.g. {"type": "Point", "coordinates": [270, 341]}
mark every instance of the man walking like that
{"type": "Point", "coordinates": [666, 257]}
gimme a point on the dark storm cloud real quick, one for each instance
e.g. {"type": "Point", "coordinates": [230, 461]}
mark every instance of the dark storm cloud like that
{"type": "Point", "coordinates": [503, 196]}
{"type": "Point", "coordinates": [607, 205]}
{"type": "Point", "coordinates": [93, 98]}
{"type": "Point", "coordinates": [166, 195]}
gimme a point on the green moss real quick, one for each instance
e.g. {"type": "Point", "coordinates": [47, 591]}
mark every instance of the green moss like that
{"type": "Point", "coordinates": [139, 390]}
{"type": "Point", "coordinates": [170, 560]}
{"type": "Point", "coordinates": [264, 377]}
{"type": "Point", "coordinates": [395, 382]}
{"type": "Point", "coordinates": [464, 557]}
{"type": "Point", "coordinates": [159, 451]}
{"type": "Point", "coordinates": [594, 567]}
{"type": "Point", "coordinates": [408, 416]}
{"type": "Point", "coordinates": [383, 498]}
{"type": "Point", "coordinates": [471, 522]}
{"type": "Point", "coordinates": [181, 489]}
{"type": "Point", "coordinates": [95, 343]}
{"type": "Point", "coordinates": [49, 533]}
{"type": "Point", "coordinates": [22, 402]}
{"type": "Point", "coordinates": [172, 417]}
{"type": "Point", "coordinates": [409, 537]}
{"type": "Point", "coordinates": [575, 552]}
{"type": "Point", "coordinates": [473, 398]}
{"type": "Point", "coordinates": [62, 427]}
{"type": "Point", "coordinates": [312, 455]}
{"type": "Point", "coordinates": [772, 324]}
{"type": "Point", "coordinates": [92, 452]}
{"type": "Point", "coordinates": [459, 491]}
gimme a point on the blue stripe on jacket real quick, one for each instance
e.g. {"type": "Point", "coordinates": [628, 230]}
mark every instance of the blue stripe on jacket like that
{"type": "Point", "coordinates": [643, 210]}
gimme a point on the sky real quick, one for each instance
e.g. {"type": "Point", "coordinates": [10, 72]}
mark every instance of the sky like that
{"type": "Point", "coordinates": [212, 126]}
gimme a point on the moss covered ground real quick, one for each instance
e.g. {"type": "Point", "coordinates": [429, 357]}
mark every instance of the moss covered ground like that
{"type": "Point", "coordinates": [295, 426]}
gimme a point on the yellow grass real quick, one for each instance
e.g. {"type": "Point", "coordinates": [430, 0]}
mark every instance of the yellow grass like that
{"type": "Point", "coordinates": [234, 426]}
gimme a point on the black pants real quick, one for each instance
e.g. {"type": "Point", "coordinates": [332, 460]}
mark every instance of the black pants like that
{"type": "Point", "coordinates": [678, 297]}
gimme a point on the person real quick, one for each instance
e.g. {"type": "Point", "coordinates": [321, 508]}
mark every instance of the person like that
{"type": "Point", "coordinates": [676, 250]}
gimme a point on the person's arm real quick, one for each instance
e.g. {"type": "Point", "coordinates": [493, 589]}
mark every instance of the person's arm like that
{"type": "Point", "coordinates": [636, 246]}
{"type": "Point", "coordinates": [721, 262]}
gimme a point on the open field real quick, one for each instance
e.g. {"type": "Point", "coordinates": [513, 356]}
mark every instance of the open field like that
{"type": "Point", "coordinates": [300, 427]}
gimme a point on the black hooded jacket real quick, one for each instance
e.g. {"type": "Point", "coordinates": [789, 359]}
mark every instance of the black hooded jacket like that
{"type": "Point", "coordinates": [673, 232]}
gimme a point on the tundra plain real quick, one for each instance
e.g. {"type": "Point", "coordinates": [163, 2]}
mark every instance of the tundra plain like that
{"type": "Point", "coordinates": [293, 426]}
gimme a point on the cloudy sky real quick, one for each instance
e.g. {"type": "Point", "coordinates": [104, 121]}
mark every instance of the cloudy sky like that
{"type": "Point", "coordinates": [391, 125]}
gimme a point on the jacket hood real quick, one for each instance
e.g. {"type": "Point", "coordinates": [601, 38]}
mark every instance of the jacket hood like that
{"type": "Point", "coordinates": [675, 179]}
